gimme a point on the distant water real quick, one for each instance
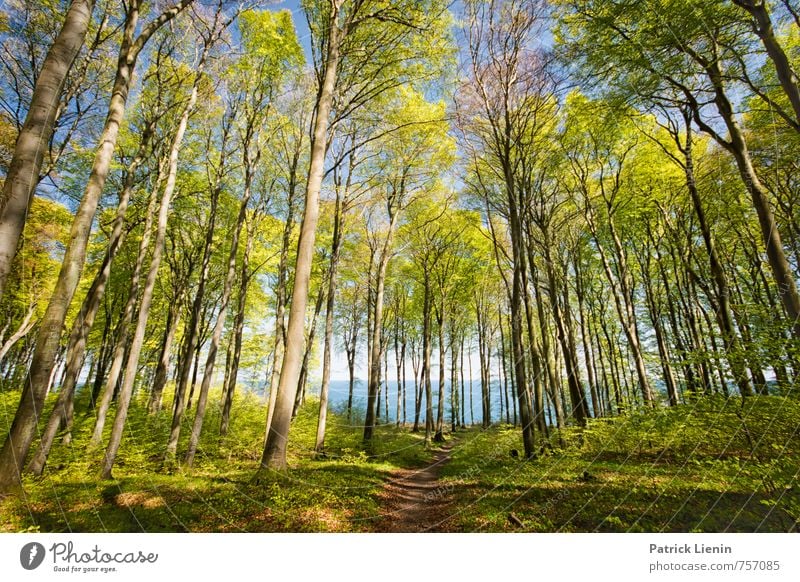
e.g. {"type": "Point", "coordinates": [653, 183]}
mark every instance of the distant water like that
{"type": "Point", "coordinates": [338, 394]}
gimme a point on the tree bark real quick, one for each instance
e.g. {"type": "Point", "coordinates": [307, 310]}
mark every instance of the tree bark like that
{"type": "Point", "coordinates": [132, 364]}
{"type": "Point", "coordinates": [330, 304]}
{"type": "Point", "coordinates": [32, 143]}
{"type": "Point", "coordinates": [787, 77]}
{"type": "Point", "coordinates": [216, 335]}
{"type": "Point", "coordinates": [376, 344]}
{"type": "Point", "coordinates": [274, 456]}
{"type": "Point", "coordinates": [18, 442]}
{"type": "Point", "coordinates": [238, 328]}
{"type": "Point", "coordinates": [737, 146]}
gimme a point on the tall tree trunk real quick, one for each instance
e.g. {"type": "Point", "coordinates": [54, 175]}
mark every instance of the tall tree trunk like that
{"type": "Point", "coordinates": [398, 367]}
{"type": "Point", "coordinates": [624, 305]}
{"type": "Point", "coordinates": [403, 360]}
{"type": "Point", "coordinates": [238, 328]}
{"type": "Point", "coordinates": [724, 311]}
{"type": "Point", "coordinates": [549, 362]}
{"type": "Point", "coordinates": [137, 341]}
{"type": "Point", "coordinates": [463, 387]}
{"type": "Point", "coordinates": [517, 342]}
{"type": "Point", "coordinates": [737, 146]}
{"type": "Point", "coordinates": [76, 348]}
{"type": "Point", "coordinates": [20, 436]}
{"type": "Point", "coordinates": [274, 456]}
{"type": "Point", "coordinates": [280, 304]}
{"type": "Point", "coordinates": [415, 369]}
{"type": "Point", "coordinates": [577, 398]}
{"type": "Point", "coordinates": [502, 372]}
{"type": "Point", "coordinates": [439, 436]}
{"type": "Point", "coordinates": [160, 380]}
{"type": "Point", "coordinates": [471, 408]}
{"type": "Point", "coordinates": [426, 359]}
{"type": "Point", "coordinates": [377, 322]}
{"type": "Point", "coordinates": [227, 287]}
{"type": "Point", "coordinates": [597, 408]}
{"type": "Point", "coordinates": [32, 143]}
{"type": "Point", "coordinates": [122, 332]}
{"type": "Point", "coordinates": [454, 402]}
{"type": "Point", "coordinates": [193, 341]}
{"type": "Point", "coordinates": [300, 393]}
{"type": "Point", "coordinates": [330, 304]}
{"type": "Point", "coordinates": [101, 356]}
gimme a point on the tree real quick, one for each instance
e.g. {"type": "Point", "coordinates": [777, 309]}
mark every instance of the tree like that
{"type": "Point", "coordinates": [699, 54]}
{"type": "Point", "coordinates": [348, 34]}
{"type": "Point", "coordinates": [26, 163]}
{"type": "Point", "coordinates": [16, 446]}
{"type": "Point", "coordinates": [498, 111]}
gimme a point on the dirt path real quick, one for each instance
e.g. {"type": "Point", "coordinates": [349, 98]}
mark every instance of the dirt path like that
{"type": "Point", "coordinates": [413, 500]}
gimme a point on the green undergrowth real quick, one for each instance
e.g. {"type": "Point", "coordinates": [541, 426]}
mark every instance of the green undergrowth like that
{"type": "Point", "coordinates": [711, 465]}
{"type": "Point", "coordinates": [336, 492]}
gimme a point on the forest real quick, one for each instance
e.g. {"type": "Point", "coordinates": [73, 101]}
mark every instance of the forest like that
{"type": "Point", "coordinates": [400, 265]}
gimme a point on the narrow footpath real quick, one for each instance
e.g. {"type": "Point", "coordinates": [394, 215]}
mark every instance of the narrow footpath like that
{"type": "Point", "coordinates": [414, 500]}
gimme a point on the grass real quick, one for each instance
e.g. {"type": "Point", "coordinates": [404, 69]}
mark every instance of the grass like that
{"type": "Point", "coordinates": [335, 493]}
{"type": "Point", "coordinates": [711, 466]}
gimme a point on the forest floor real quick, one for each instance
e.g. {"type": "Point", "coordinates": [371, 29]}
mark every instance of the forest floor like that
{"type": "Point", "coordinates": [415, 500]}
{"type": "Point", "coordinates": [711, 465]}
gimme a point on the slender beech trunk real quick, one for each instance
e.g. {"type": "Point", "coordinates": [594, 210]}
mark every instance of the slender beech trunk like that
{"type": "Point", "coordinates": [426, 358]}
{"type": "Point", "coordinates": [517, 342]}
{"type": "Point", "coordinates": [454, 402]}
{"type": "Point", "coordinates": [597, 407]}
{"type": "Point", "coordinates": [350, 348]}
{"type": "Point", "coordinates": [415, 369]}
{"type": "Point", "coordinates": [624, 304]}
{"type": "Point", "coordinates": [398, 367]}
{"type": "Point", "coordinates": [377, 322]}
{"type": "Point", "coordinates": [227, 288]}
{"type": "Point", "coordinates": [274, 455]}
{"type": "Point", "coordinates": [577, 397]}
{"type": "Point", "coordinates": [131, 367]}
{"type": "Point", "coordinates": [330, 305]}
{"type": "Point", "coordinates": [20, 436]}
{"type": "Point", "coordinates": [238, 327]}
{"type": "Point", "coordinates": [463, 387]}
{"type": "Point", "coordinates": [118, 358]}
{"type": "Point", "coordinates": [656, 320]}
{"type": "Point", "coordinates": [439, 435]}
{"type": "Point", "coordinates": [724, 311]}
{"type": "Point", "coordinates": [737, 146]}
{"type": "Point", "coordinates": [32, 143]}
{"type": "Point", "coordinates": [76, 349]}
{"type": "Point", "coordinates": [549, 362]}
{"type": "Point", "coordinates": [403, 360]}
{"type": "Point", "coordinates": [160, 380]}
{"type": "Point", "coordinates": [280, 295]}
{"type": "Point", "coordinates": [193, 342]}
{"type": "Point", "coordinates": [500, 381]}
{"type": "Point", "coordinates": [101, 356]}
{"type": "Point", "coordinates": [300, 393]}
{"type": "Point", "coordinates": [471, 408]}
